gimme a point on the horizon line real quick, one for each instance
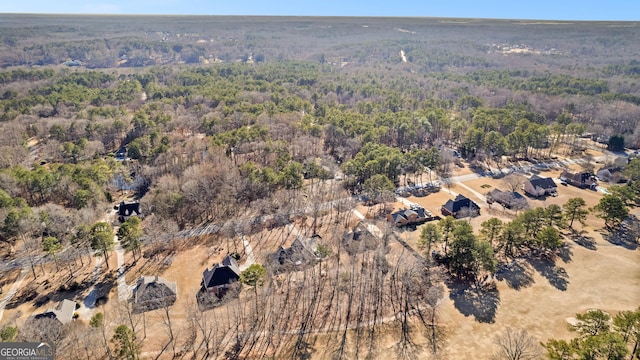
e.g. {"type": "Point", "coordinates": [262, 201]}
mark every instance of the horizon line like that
{"type": "Point", "coordinates": [322, 16]}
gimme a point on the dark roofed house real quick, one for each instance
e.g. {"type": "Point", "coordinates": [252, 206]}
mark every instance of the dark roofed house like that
{"type": "Point", "coordinates": [508, 199]}
{"type": "Point", "coordinates": [414, 215]}
{"type": "Point", "coordinates": [127, 209]}
{"type": "Point", "coordinates": [153, 292]}
{"type": "Point", "coordinates": [583, 180]}
{"type": "Point", "coordinates": [462, 206]}
{"type": "Point", "coordinates": [63, 312]}
{"type": "Point", "coordinates": [221, 276]}
{"type": "Point", "coordinates": [538, 186]}
{"type": "Point", "coordinates": [423, 214]}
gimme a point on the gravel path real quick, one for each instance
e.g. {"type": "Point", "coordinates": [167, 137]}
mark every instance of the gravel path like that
{"type": "Point", "coordinates": [249, 250]}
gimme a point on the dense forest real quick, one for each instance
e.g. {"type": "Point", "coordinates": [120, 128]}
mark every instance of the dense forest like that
{"type": "Point", "coordinates": [222, 118]}
{"type": "Point", "coordinates": [272, 124]}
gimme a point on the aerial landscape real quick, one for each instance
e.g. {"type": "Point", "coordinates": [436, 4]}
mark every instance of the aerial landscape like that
{"type": "Point", "coordinates": [319, 187]}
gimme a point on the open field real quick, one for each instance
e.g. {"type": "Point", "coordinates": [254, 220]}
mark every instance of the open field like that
{"type": "Point", "coordinates": [539, 297]}
{"type": "Point", "coordinates": [533, 294]}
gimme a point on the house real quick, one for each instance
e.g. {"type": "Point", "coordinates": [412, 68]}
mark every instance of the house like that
{"type": "Point", "coordinates": [360, 239]}
{"type": "Point", "coordinates": [301, 253]}
{"type": "Point", "coordinates": [63, 312]}
{"type": "Point", "coordinates": [221, 276]}
{"type": "Point", "coordinates": [403, 217]}
{"type": "Point", "coordinates": [462, 206]}
{"type": "Point", "coordinates": [127, 209]}
{"type": "Point", "coordinates": [538, 186]}
{"type": "Point", "coordinates": [153, 292]}
{"type": "Point", "coordinates": [612, 174]}
{"type": "Point", "coordinates": [71, 63]}
{"type": "Point", "coordinates": [508, 199]}
{"type": "Point", "coordinates": [414, 215]}
{"type": "Point", "coordinates": [121, 154]}
{"type": "Point", "coordinates": [583, 180]}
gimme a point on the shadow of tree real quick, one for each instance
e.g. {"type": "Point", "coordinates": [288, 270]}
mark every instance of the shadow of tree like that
{"type": "Point", "coordinates": [482, 304]}
{"type": "Point", "coordinates": [208, 300]}
{"type": "Point", "coordinates": [302, 350]}
{"type": "Point", "coordinates": [29, 293]}
{"type": "Point", "coordinates": [407, 349]}
{"type": "Point", "coordinates": [557, 276]}
{"type": "Point", "coordinates": [57, 296]}
{"type": "Point", "coordinates": [498, 175]}
{"type": "Point", "coordinates": [620, 239]}
{"type": "Point", "coordinates": [103, 287]}
{"type": "Point", "coordinates": [581, 239]}
{"type": "Point", "coordinates": [564, 253]}
{"type": "Point", "coordinates": [516, 275]}
{"type": "Point", "coordinates": [477, 168]}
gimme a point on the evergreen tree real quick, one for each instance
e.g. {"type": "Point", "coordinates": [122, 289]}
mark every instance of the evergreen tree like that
{"type": "Point", "coordinates": [575, 209]}
{"type": "Point", "coordinates": [102, 239]}
{"type": "Point", "coordinates": [124, 340]}
{"type": "Point", "coordinates": [612, 209]}
{"type": "Point", "coordinates": [129, 235]}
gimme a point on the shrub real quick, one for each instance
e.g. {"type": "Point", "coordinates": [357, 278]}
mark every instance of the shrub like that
{"type": "Point", "coordinates": [9, 333]}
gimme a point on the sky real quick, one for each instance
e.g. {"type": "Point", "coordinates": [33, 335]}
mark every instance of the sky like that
{"type": "Point", "coordinates": [618, 10]}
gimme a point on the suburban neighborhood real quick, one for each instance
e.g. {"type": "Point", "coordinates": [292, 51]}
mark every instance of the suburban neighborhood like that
{"type": "Point", "coordinates": [219, 187]}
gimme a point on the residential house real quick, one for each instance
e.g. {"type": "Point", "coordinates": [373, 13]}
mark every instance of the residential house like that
{"type": "Point", "coordinates": [153, 292]}
{"type": "Point", "coordinates": [611, 174]}
{"type": "Point", "coordinates": [71, 63]}
{"type": "Point", "coordinates": [414, 215]}
{"type": "Point", "coordinates": [221, 276]}
{"type": "Point", "coordinates": [538, 186]}
{"type": "Point", "coordinates": [462, 206]}
{"type": "Point", "coordinates": [508, 199]}
{"type": "Point", "coordinates": [583, 180]}
{"type": "Point", "coordinates": [127, 209]}
{"type": "Point", "coordinates": [360, 239]}
{"type": "Point", "coordinates": [301, 253]}
{"type": "Point", "coordinates": [63, 312]}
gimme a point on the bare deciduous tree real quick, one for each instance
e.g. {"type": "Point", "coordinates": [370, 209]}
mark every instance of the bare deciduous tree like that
{"type": "Point", "coordinates": [516, 344]}
{"type": "Point", "coordinates": [43, 329]}
{"type": "Point", "coordinates": [513, 182]}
